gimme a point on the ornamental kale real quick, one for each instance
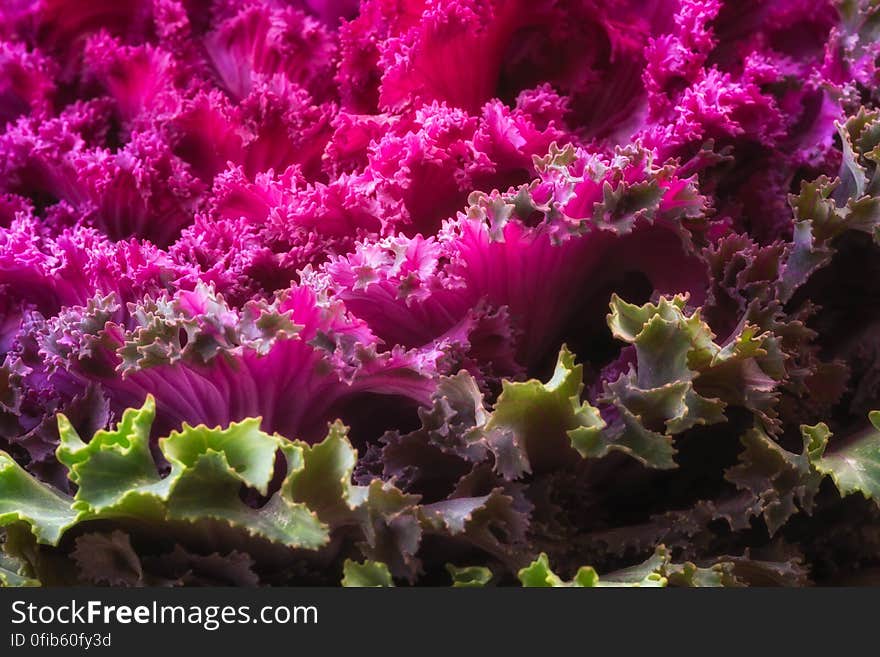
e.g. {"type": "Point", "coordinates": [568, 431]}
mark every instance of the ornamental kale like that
{"type": "Point", "coordinates": [449, 292]}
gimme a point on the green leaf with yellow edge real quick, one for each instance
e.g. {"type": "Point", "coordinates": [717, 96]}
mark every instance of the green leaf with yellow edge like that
{"type": "Point", "coordinates": [658, 571]}
{"type": "Point", "coordinates": [469, 576]}
{"type": "Point", "coordinates": [23, 498]}
{"type": "Point", "coordinates": [249, 452]}
{"type": "Point", "coordinates": [115, 471]}
{"type": "Point", "coordinates": [211, 465]}
{"type": "Point", "coordinates": [539, 574]}
{"type": "Point", "coordinates": [548, 419]}
{"type": "Point", "coordinates": [116, 477]}
{"type": "Point", "coordinates": [855, 466]}
{"type": "Point", "coordinates": [369, 574]}
{"type": "Point", "coordinates": [209, 489]}
{"type": "Point", "coordinates": [324, 481]}
{"type": "Point", "coordinates": [660, 566]}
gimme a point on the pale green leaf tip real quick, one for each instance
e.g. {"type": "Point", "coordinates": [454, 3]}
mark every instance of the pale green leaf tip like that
{"type": "Point", "coordinates": [586, 577]}
{"type": "Point", "coordinates": [538, 573]}
{"type": "Point", "coordinates": [469, 576]}
{"type": "Point", "coordinates": [369, 574]}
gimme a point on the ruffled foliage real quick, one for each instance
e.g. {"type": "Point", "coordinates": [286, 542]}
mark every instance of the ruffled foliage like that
{"type": "Point", "coordinates": [459, 292]}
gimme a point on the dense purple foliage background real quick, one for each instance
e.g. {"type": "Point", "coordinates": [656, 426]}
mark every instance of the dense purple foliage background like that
{"type": "Point", "coordinates": [378, 212]}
